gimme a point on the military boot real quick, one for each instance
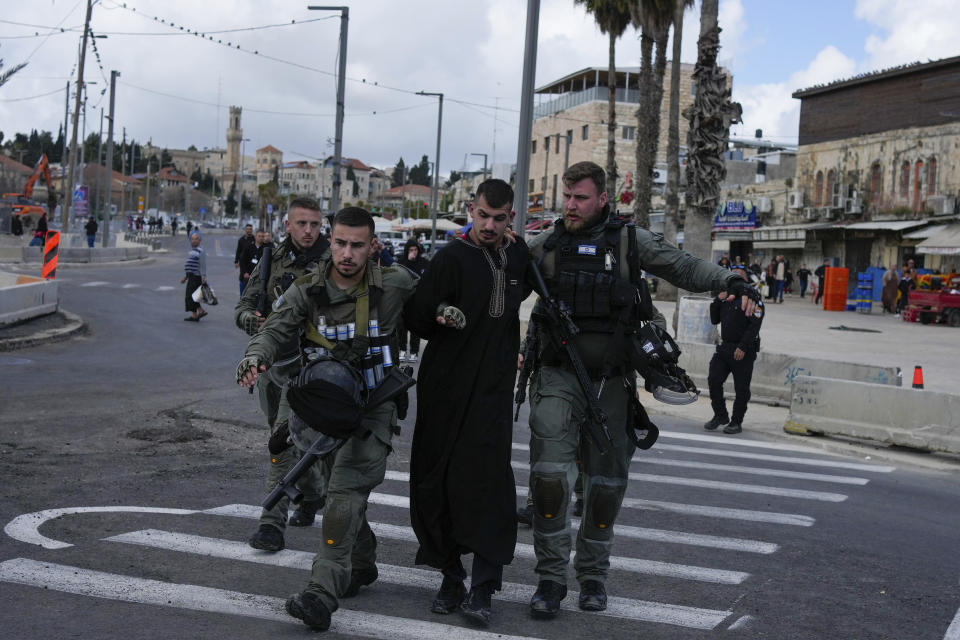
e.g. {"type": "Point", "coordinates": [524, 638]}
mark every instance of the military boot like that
{"type": "Point", "coordinates": [306, 513]}
{"type": "Point", "coordinates": [267, 538]}
{"type": "Point", "coordinates": [476, 606]}
{"type": "Point", "coordinates": [525, 515]}
{"type": "Point", "coordinates": [546, 601]}
{"type": "Point", "coordinates": [449, 596]}
{"type": "Point", "coordinates": [306, 606]}
{"type": "Point", "coordinates": [713, 423]}
{"type": "Point", "coordinates": [593, 596]}
{"type": "Point", "coordinates": [360, 578]}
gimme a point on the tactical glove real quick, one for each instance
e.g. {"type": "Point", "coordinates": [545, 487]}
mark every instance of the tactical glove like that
{"type": "Point", "coordinates": [740, 287]}
{"type": "Point", "coordinates": [251, 323]}
{"type": "Point", "coordinates": [244, 366]}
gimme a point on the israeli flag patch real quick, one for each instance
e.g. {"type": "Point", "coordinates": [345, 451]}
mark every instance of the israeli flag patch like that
{"type": "Point", "coordinates": [587, 249]}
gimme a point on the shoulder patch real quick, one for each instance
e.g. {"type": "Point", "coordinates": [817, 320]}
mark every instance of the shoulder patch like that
{"type": "Point", "coordinates": [758, 313]}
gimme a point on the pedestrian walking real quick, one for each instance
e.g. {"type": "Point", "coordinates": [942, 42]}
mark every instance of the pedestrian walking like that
{"type": "Point", "coordinates": [244, 241]}
{"type": "Point", "coordinates": [780, 279]}
{"type": "Point", "coordinates": [195, 276]}
{"type": "Point", "coordinates": [40, 231]}
{"type": "Point", "coordinates": [462, 489]}
{"type": "Point", "coordinates": [91, 230]}
{"type": "Point", "coordinates": [412, 259]}
{"type": "Point", "coordinates": [173, 226]}
{"type": "Point", "coordinates": [821, 273]}
{"type": "Point", "coordinates": [888, 294]}
{"type": "Point", "coordinates": [577, 258]}
{"type": "Point", "coordinates": [736, 353]}
{"type": "Point", "coordinates": [803, 274]}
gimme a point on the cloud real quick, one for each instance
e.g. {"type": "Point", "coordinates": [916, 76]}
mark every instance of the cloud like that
{"type": "Point", "coordinates": [770, 107]}
{"type": "Point", "coordinates": [908, 31]}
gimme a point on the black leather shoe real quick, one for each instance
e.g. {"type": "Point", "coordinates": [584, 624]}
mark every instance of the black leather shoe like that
{"type": "Point", "coordinates": [525, 515]}
{"type": "Point", "coordinates": [593, 596]}
{"type": "Point", "coordinates": [306, 513]}
{"type": "Point", "coordinates": [733, 427]}
{"type": "Point", "coordinates": [306, 606]}
{"type": "Point", "coordinates": [578, 508]}
{"type": "Point", "coordinates": [449, 596]}
{"type": "Point", "coordinates": [545, 603]}
{"type": "Point", "coordinates": [713, 423]}
{"type": "Point", "coordinates": [476, 606]}
{"type": "Point", "coordinates": [359, 579]}
{"type": "Point", "coordinates": [267, 538]}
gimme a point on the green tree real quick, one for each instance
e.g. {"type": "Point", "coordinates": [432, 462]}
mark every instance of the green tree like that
{"type": "Point", "coordinates": [455, 177]}
{"type": "Point", "coordinates": [230, 204]}
{"type": "Point", "coordinates": [420, 174]}
{"type": "Point", "coordinates": [396, 178]}
{"type": "Point", "coordinates": [613, 17]}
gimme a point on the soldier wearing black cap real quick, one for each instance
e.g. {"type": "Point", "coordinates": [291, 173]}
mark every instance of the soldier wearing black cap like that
{"type": "Point", "coordinates": [736, 353]}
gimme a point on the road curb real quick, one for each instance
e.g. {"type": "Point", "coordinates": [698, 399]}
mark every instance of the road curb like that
{"type": "Point", "coordinates": [75, 326]}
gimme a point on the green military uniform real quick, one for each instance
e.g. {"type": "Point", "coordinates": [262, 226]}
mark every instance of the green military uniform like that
{"type": "Point", "coordinates": [558, 405]}
{"type": "Point", "coordinates": [360, 465]}
{"type": "Point", "coordinates": [271, 387]}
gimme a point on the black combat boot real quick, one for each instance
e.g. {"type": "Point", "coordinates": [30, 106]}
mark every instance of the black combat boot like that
{"type": "Point", "coordinates": [578, 508]}
{"type": "Point", "coordinates": [546, 601]}
{"type": "Point", "coordinates": [306, 606]}
{"type": "Point", "coordinates": [593, 596]}
{"type": "Point", "coordinates": [476, 606]}
{"type": "Point", "coordinates": [525, 515]}
{"type": "Point", "coordinates": [733, 427]}
{"type": "Point", "coordinates": [306, 513]}
{"type": "Point", "coordinates": [449, 596]}
{"type": "Point", "coordinates": [360, 578]}
{"type": "Point", "coordinates": [267, 538]}
{"type": "Point", "coordinates": [713, 423]}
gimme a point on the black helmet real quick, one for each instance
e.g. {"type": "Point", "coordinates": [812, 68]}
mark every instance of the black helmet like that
{"type": "Point", "coordinates": [326, 398]}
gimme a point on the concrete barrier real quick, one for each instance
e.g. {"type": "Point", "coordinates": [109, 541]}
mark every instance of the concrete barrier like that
{"type": "Point", "coordinates": [88, 255]}
{"type": "Point", "coordinates": [25, 297]}
{"type": "Point", "coordinates": [774, 373]}
{"type": "Point", "coordinates": [915, 418]}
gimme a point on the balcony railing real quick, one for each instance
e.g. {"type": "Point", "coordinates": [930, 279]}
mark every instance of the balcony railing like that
{"type": "Point", "coordinates": [572, 99]}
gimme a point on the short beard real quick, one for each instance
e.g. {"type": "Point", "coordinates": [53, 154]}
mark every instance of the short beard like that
{"type": "Point", "coordinates": [349, 275]}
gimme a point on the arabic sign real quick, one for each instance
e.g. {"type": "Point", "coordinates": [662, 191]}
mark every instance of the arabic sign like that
{"type": "Point", "coordinates": [736, 217]}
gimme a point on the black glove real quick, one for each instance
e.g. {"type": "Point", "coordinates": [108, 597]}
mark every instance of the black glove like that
{"type": "Point", "coordinates": [740, 287]}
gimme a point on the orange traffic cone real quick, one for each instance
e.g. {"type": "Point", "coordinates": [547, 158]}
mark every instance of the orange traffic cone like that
{"type": "Point", "coordinates": [918, 377]}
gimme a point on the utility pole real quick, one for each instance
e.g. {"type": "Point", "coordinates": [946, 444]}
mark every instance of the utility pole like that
{"type": "Point", "coordinates": [99, 199]}
{"type": "Point", "coordinates": [436, 173]}
{"type": "Point", "coordinates": [68, 197]}
{"type": "Point", "coordinates": [341, 88]}
{"type": "Point", "coordinates": [526, 113]}
{"type": "Point", "coordinates": [107, 211]}
{"type": "Point", "coordinates": [64, 194]}
{"type": "Point", "coordinates": [123, 171]}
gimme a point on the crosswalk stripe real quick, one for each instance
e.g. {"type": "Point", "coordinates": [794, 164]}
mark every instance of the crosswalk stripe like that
{"type": "Point", "coordinates": [634, 565]}
{"type": "Point", "coordinates": [719, 485]}
{"type": "Point", "coordinates": [756, 471]}
{"type": "Point", "coordinates": [810, 462]}
{"type": "Point", "coordinates": [641, 533]}
{"type": "Point", "coordinates": [727, 513]}
{"type": "Point", "coordinates": [97, 283]}
{"type": "Point", "coordinates": [617, 607]}
{"type": "Point", "coordinates": [112, 586]}
{"type": "Point", "coordinates": [164, 287]}
{"type": "Point", "coordinates": [131, 286]}
{"type": "Point", "coordinates": [758, 444]}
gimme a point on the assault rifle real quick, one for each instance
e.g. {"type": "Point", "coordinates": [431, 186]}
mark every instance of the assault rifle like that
{"type": "Point", "coordinates": [561, 331]}
{"type": "Point", "coordinates": [529, 357]}
{"type": "Point", "coordinates": [263, 302]}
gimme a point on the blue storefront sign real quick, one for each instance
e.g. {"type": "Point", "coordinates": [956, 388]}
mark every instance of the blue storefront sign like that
{"type": "Point", "coordinates": [736, 217]}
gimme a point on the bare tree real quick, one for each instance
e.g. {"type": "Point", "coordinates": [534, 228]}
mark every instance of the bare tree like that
{"type": "Point", "coordinates": [613, 17]}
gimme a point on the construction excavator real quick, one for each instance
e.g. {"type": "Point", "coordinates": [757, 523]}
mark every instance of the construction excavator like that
{"type": "Point", "coordinates": [22, 204]}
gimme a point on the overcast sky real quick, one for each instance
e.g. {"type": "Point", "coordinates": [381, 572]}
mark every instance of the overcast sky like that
{"type": "Point", "coordinates": [471, 50]}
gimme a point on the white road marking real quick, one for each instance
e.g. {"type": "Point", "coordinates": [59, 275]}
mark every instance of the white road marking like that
{"type": "Point", "coordinates": [692, 617]}
{"type": "Point", "coordinates": [25, 527]}
{"type": "Point", "coordinates": [99, 584]}
{"type": "Point", "coordinates": [811, 462]}
{"type": "Point", "coordinates": [130, 286]}
{"type": "Point", "coordinates": [749, 515]}
{"type": "Point", "coordinates": [718, 485]}
{"type": "Point", "coordinates": [756, 471]}
{"type": "Point", "coordinates": [635, 565]}
{"type": "Point", "coordinates": [953, 631]}
{"type": "Point", "coordinates": [642, 533]}
{"type": "Point", "coordinates": [97, 283]}
{"type": "Point", "coordinates": [164, 287]}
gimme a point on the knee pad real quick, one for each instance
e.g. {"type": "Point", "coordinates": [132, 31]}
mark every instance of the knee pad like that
{"type": "Point", "coordinates": [604, 505]}
{"type": "Point", "coordinates": [337, 519]}
{"type": "Point", "coordinates": [550, 497]}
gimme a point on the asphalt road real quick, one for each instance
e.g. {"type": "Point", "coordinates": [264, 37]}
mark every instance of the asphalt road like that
{"type": "Point", "coordinates": [141, 462]}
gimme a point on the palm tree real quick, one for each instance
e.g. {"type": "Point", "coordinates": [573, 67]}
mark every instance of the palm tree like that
{"type": "Point", "coordinates": [613, 17]}
{"type": "Point", "coordinates": [710, 118]}
{"type": "Point", "coordinates": [6, 75]}
{"type": "Point", "coordinates": [653, 18]}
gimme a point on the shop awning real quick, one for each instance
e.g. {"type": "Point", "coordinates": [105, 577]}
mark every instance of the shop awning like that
{"type": "Point", "coordinates": [778, 244]}
{"type": "Point", "coordinates": [884, 225]}
{"type": "Point", "coordinates": [944, 243]}
{"type": "Point", "coordinates": [926, 232]}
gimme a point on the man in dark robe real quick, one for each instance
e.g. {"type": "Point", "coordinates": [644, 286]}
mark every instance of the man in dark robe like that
{"type": "Point", "coordinates": [462, 491]}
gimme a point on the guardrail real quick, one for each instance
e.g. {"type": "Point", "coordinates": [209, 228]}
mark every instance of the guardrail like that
{"type": "Point", "coordinates": [915, 418]}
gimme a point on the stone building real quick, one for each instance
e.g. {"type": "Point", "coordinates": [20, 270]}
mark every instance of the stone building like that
{"type": "Point", "coordinates": [269, 160]}
{"type": "Point", "coordinates": [569, 126]}
{"type": "Point", "coordinates": [878, 161]}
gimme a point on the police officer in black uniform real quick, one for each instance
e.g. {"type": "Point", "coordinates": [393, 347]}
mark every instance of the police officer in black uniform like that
{"type": "Point", "coordinates": [736, 353]}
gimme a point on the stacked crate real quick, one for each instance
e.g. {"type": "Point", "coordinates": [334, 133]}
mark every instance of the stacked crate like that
{"type": "Point", "coordinates": [864, 292]}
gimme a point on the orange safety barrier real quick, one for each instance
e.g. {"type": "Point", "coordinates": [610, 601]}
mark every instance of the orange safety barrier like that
{"type": "Point", "coordinates": [918, 377]}
{"type": "Point", "coordinates": [51, 247]}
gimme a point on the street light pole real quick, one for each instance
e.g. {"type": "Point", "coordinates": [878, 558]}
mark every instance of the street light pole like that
{"type": "Point", "coordinates": [68, 197]}
{"type": "Point", "coordinates": [436, 173]}
{"type": "Point", "coordinates": [341, 88]}
{"type": "Point", "coordinates": [106, 215]}
{"type": "Point", "coordinates": [526, 112]}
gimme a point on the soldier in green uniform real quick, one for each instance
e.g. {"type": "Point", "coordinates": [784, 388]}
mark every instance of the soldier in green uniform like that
{"type": "Point", "coordinates": [295, 256]}
{"type": "Point", "coordinates": [345, 289]}
{"type": "Point", "coordinates": [580, 261]}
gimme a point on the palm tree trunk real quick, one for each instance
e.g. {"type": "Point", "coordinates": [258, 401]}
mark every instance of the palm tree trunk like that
{"type": "Point", "coordinates": [665, 290]}
{"type": "Point", "coordinates": [672, 211]}
{"type": "Point", "coordinates": [643, 177]}
{"type": "Point", "coordinates": [612, 123]}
